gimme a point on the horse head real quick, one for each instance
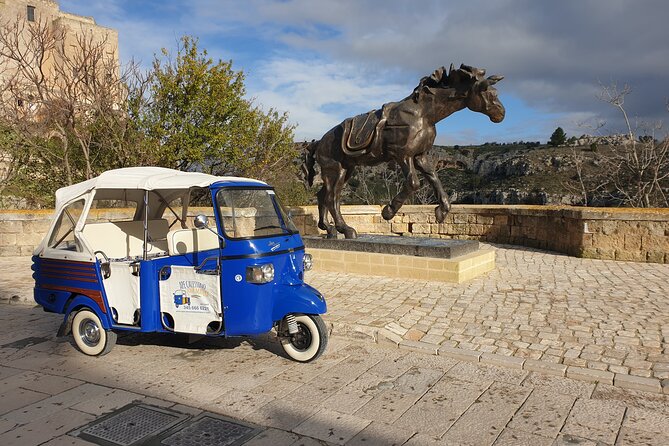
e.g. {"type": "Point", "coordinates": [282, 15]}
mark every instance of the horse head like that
{"type": "Point", "coordinates": [478, 92]}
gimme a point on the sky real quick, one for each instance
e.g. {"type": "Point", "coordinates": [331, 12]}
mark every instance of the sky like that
{"type": "Point", "coordinates": [322, 61]}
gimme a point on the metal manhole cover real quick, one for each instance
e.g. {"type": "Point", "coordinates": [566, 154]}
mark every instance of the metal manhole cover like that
{"type": "Point", "coordinates": [130, 425]}
{"type": "Point", "coordinates": [209, 430]}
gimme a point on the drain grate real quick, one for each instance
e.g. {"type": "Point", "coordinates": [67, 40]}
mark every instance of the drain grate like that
{"type": "Point", "coordinates": [130, 425]}
{"type": "Point", "coordinates": [209, 430]}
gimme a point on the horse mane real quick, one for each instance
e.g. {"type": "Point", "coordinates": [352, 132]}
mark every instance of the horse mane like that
{"type": "Point", "coordinates": [430, 81]}
{"type": "Point", "coordinates": [451, 78]}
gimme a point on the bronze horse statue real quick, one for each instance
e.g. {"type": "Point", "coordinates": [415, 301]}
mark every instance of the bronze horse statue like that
{"type": "Point", "coordinates": [402, 132]}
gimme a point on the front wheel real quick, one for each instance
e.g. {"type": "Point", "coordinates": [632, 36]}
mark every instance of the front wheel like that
{"type": "Point", "coordinates": [310, 340]}
{"type": "Point", "coordinates": [89, 334]}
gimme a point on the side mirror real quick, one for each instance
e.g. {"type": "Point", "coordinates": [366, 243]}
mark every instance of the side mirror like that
{"type": "Point", "coordinates": [201, 221]}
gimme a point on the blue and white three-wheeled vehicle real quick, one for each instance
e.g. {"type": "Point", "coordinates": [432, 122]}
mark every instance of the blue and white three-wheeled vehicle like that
{"type": "Point", "coordinates": [149, 249]}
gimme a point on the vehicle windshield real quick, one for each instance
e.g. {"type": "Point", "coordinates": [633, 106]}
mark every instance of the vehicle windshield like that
{"type": "Point", "coordinates": [249, 213]}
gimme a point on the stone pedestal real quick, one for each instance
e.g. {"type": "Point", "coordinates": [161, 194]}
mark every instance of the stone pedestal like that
{"type": "Point", "coordinates": [402, 257]}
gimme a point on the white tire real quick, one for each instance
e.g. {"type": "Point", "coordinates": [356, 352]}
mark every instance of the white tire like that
{"type": "Point", "coordinates": [89, 334]}
{"type": "Point", "coordinates": [310, 341]}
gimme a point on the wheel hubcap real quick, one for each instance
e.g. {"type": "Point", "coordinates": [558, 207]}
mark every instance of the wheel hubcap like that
{"type": "Point", "coordinates": [302, 339]}
{"type": "Point", "coordinates": [89, 332]}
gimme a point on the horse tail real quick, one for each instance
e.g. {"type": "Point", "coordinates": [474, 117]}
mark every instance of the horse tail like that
{"type": "Point", "coordinates": [310, 161]}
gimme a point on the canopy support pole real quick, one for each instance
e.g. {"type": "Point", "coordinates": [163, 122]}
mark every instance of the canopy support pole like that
{"type": "Point", "coordinates": [146, 223]}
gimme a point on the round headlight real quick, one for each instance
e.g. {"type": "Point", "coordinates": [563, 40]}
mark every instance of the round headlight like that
{"type": "Point", "coordinates": [267, 272]}
{"type": "Point", "coordinates": [260, 273]}
{"type": "Point", "coordinates": [308, 262]}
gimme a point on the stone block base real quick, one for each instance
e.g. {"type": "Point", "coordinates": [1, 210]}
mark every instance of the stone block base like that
{"type": "Point", "coordinates": [455, 270]}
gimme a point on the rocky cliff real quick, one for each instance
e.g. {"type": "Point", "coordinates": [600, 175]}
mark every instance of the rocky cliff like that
{"type": "Point", "coordinates": [526, 173]}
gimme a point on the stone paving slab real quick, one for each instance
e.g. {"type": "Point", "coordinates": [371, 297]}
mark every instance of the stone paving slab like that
{"type": "Point", "coordinates": [331, 426]}
{"type": "Point", "coordinates": [13, 399]}
{"type": "Point", "coordinates": [543, 413]}
{"type": "Point", "coordinates": [387, 406]}
{"type": "Point", "coordinates": [441, 406]}
{"type": "Point", "coordinates": [486, 419]}
{"type": "Point", "coordinates": [45, 429]}
{"type": "Point", "coordinates": [385, 396]}
{"type": "Point", "coordinates": [381, 434]}
{"type": "Point", "coordinates": [595, 420]}
{"type": "Point", "coordinates": [511, 437]}
{"type": "Point", "coordinates": [629, 436]}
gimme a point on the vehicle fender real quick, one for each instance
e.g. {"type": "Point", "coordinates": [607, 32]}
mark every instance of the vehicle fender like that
{"type": "Point", "coordinates": [79, 302]}
{"type": "Point", "coordinates": [297, 299]}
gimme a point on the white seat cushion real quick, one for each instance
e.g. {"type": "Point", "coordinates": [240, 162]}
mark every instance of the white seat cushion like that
{"type": "Point", "coordinates": [126, 238]}
{"type": "Point", "coordinates": [184, 241]}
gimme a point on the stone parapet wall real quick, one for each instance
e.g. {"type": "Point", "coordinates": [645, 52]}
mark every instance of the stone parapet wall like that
{"type": "Point", "coordinates": [640, 235]}
{"type": "Point", "coordinates": [22, 230]}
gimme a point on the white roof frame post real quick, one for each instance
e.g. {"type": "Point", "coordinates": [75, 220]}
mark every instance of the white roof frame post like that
{"type": "Point", "coordinates": [146, 224]}
{"type": "Point", "coordinates": [185, 202]}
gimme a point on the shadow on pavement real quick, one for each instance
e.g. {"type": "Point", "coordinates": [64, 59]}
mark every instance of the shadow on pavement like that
{"type": "Point", "coordinates": [286, 423]}
{"type": "Point", "coordinates": [202, 344]}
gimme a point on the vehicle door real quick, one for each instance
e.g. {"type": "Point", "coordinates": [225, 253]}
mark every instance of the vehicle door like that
{"type": "Point", "coordinates": [190, 285]}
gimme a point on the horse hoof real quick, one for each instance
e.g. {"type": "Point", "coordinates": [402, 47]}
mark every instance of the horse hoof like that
{"type": "Point", "coordinates": [331, 232]}
{"type": "Point", "coordinates": [387, 213]}
{"type": "Point", "coordinates": [350, 233]}
{"type": "Point", "coordinates": [440, 214]}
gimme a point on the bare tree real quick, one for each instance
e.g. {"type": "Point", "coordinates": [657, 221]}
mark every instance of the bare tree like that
{"type": "Point", "coordinates": [65, 101]}
{"type": "Point", "coordinates": [377, 184]}
{"type": "Point", "coordinates": [359, 188]}
{"type": "Point", "coordinates": [579, 160]}
{"type": "Point", "coordinates": [374, 184]}
{"type": "Point", "coordinates": [637, 168]}
{"type": "Point", "coordinates": [425, 194]}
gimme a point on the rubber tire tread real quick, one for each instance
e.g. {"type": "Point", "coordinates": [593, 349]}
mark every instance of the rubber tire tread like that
{"type": "Point", "coordinates": [109, 336]}
{"type": "Point", "coordinates": [322, 332]}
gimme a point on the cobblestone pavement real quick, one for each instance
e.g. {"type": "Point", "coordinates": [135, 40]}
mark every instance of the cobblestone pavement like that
{"type": "Point", "coordinates": [358, 393]}
{"type": "Point", "coordinates": [593, 319]}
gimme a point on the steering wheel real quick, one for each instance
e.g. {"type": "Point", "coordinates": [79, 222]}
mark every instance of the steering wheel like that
{"type": "Point", "coordinates": [104, 266]}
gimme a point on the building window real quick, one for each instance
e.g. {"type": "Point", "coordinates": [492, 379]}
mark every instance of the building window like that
{"type": "Point", "coordinates": [31, 13]}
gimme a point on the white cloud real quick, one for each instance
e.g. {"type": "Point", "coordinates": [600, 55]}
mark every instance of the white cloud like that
{"type": "Point", "coordinates": [552, 53]}
{"type": "Point", "coordinates": [319, 95]}
{"type": "Point", "coordinates": [564, 47]}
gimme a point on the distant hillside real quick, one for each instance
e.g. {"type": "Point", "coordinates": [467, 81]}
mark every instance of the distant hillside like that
{"type": "Point", "coordinates": [517, 173]}
{"type": "Point", "coordinates": [510, 174]}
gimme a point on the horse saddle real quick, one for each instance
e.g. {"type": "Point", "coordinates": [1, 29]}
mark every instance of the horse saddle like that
{"type": "Point", "coordinates": [360, 133]}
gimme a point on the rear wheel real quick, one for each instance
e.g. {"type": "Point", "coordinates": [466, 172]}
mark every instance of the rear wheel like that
{"type": "Point", "coordinates": [89, 334]}
{"type": "Point", "coordinates": [310, 340]}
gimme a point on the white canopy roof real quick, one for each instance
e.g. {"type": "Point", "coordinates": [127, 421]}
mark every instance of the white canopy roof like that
{"type": "Point", "coordinates": [143, 178]}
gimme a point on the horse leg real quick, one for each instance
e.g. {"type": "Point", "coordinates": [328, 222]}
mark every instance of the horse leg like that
{"type": "Point", "coordinates": [323, 222]}
{"type": "Point", "coordinates": [411, 185]}
{"type": "Point", "coordinates": [442, 197]}
{"type": "Point", "coordinates": [323, 206]}
{"type": "Point", "coordinates": [340, 224]}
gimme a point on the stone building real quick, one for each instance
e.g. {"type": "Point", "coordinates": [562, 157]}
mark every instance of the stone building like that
{"type": "Point", "coordinates": [21, 18]}
{"type": "Point", "coordinates": [57, 49]}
